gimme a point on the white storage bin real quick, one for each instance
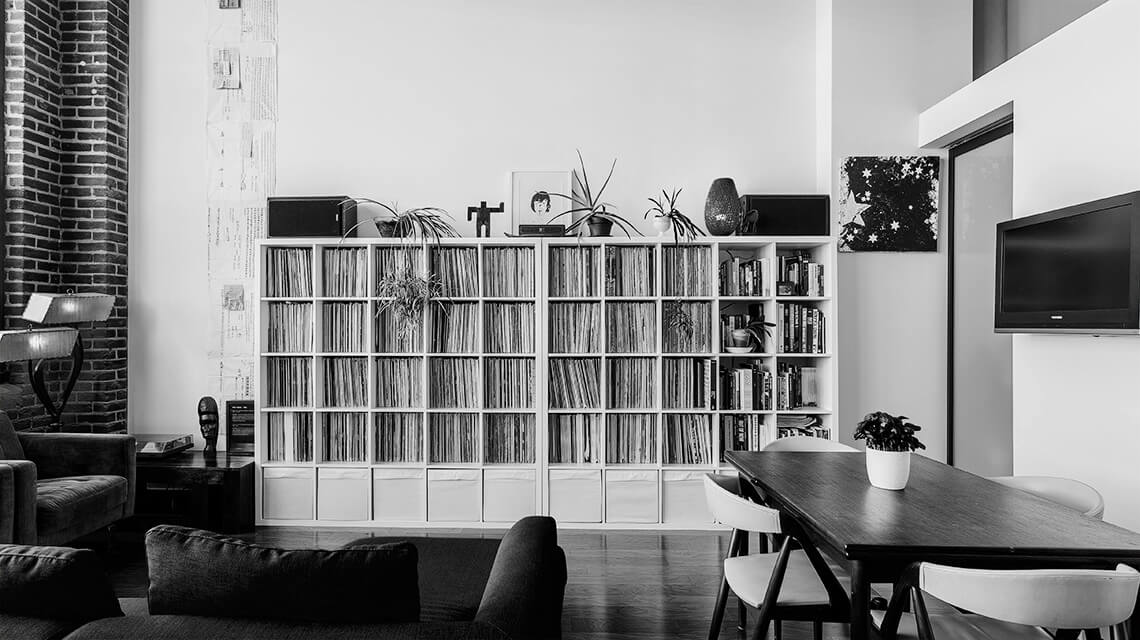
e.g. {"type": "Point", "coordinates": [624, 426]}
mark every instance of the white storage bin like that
{"type": "Point", "coordinates": [287, 493]}
{"type": "Point", "coordinates": [342, 494]}
{"type": "Point", "coordinates": [508, 494]}
{"type": "Point", "coordinates": [683, 498]}
{"type": "Point", "coordinates": [631, 496]}
{"type": "Point", "coordinates": [399, 495]}
{"type": "Point", "coordinates": [576, 495]}
{"type": "Point", "coordinates": [454, 495]}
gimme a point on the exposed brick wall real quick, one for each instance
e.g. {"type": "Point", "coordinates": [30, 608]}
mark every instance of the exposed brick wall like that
{"type": "Point", "coordinates": [65, 103]}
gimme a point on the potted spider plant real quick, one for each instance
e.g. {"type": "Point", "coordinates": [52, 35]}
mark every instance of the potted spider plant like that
{"type": "Point", "coordinates": [890, 441]}
{"type": "Point", "coordinates": [583, 200]}
{"type": "Point", "coordinates": [666, 217]}
{"type": "Point", "coordinates": [422, 223]}
{"type": "Point", "coordinates": [678, 321]}
{"type": "Point", "coordinates": [756, 330]}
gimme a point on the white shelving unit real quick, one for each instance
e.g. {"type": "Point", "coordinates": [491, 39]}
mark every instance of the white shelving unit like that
{"type": "Point", "coordinates": [419, 490]}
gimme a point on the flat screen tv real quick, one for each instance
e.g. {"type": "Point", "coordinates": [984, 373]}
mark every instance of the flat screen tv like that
{"type": "Point", "coordinates": [1073, 270]}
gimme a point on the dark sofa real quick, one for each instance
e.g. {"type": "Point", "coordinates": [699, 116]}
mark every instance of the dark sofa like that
{"type": "Point", "coordinates": [207, 586]}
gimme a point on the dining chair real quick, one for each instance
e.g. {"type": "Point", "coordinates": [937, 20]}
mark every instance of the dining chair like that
{"type": "Point", "coordinates": [806, 443]}
{"type": "Point", "coordinates": [1064, 491]}
{"type": "Point", "coordinates": [789, 584]}
{"type": "Point", "coordinates": [1011, 605]}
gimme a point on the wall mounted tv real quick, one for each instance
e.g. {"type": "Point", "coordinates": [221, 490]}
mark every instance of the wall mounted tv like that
{"type": "Point", "coordinates": [1073, 270]}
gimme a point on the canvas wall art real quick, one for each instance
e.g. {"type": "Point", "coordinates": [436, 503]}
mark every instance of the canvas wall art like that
{"type": "Point", "coordinates": [888, 203]}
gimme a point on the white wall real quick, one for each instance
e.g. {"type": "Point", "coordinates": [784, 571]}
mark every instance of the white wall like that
{"type": "Point", "coordinates": [1076, 132]}
{"type": "Point", "coordinates": [892, 59]}
{"type": "Point", "coordinates": [1030, 21]}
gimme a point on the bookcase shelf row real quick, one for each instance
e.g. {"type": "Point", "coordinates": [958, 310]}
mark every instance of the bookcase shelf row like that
{"type": "Point", "coordinates": [597, 371]}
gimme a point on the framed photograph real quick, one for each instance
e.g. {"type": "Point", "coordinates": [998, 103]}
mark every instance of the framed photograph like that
{"type": "Point", "coordinates": [888, 203]}
{"type": "Point", "coordinates": [531, 199]}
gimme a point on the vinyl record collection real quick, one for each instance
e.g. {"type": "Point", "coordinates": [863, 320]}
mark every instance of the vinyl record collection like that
{"type": "Point", "coordinates": [344, 273]}
{"type": "Point", "coordinates": [508, 272]}
{"type": "Point", "coordinates": [796, 386]}
{"type": "Point", "coordinates": [453, 327]}
{"type": "Point", "coordinates": [677, 340]}
{"type": "Point", "coordinates": [745, 386]}
{"type": "Point", "coordinates": [346, 382]}
{"type": "Point", "coordinates": [806, 276]}
{"type": "Point", "coordinates": [687, 383]}
{"type": "Point", "coordinates": [574, 327]}
{"type": "Point", "coordinates": [289, 327]}
{"type": "Point", "coordinates": [509, 383]}
{"type": "Point", "coordinates": [688, 439]}
{"type": "Point", "coordinates": [289, 437]}
{"type": "Point", "coordinates": [574, 438]}
{"type": "Point", "coordinates": [629, 271]}
{"type": "Point", "coordinates": [574, 383]}
{"type": "Point", "coordinates": [631, 438]}
{"type": "Point", "coordinates": [454, 383]}
{"type": "Point", "coordinates": [457, 269]}
{"type": "Point", "coordinates": [745, 277]}
{"type": "Point", "coordinates": [392, 336]}
{"type": "Point", "coordinates": [803, 328]}
{"type": "Point", "coordinates": [288, 272]}
{"type": "Point", "coordinates": [509, 327]}
{"type": "Point", "coordinates": [686, 271]}
{"type": "Point", "coordinates": [744, 433]}
{"type": "Point", "coordinates": [630, 327]}
{"type": "Point", "coordinates": [509, 439]}
{"type": "Point", "coordinates": [573, 272]}
{"type": "Point", "coordinates": [342, 326]}
{"type": "Point", "coordinates": [630, 383]}
{"type": "Point", "coordinates": [399, 437]}
{"type": "Point", "coordinates": [789, 425]}
{"type": "Point", "coordinates": [391, 261]}
{"type": "Point", "coordinates": [344, 437]}
{"type": "Point", "coordinates": [288, 381]}
{"type": "Point", "coordinates": [398, 383]}
{"type": "Point", "coordinates": [454, 437]}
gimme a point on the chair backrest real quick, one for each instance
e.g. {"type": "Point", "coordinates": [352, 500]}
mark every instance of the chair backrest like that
{"type": "Point", "coordinates": [806, 443]}
{"type": "Point", "coordinates": [10, 447]}
{"type": "Point", "coordinates": [1064, 491]}
{"type": "Point", "coordinates": [1056, 599]}
{"type": "Point", "coordinates": [729, 506]}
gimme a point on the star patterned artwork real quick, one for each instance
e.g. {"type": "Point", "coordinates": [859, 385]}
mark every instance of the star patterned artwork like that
{"type": "Point", "coordinates": [888, 203]}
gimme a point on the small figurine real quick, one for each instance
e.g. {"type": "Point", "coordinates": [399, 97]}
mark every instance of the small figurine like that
{"type": "Point", "coordinates": [208, 422]}
{"type": "Point", "coordinates": [482, 215]}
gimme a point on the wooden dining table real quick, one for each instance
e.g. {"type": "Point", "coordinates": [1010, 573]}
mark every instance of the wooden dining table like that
{"type": "Point", "coordinates": [944, 515]}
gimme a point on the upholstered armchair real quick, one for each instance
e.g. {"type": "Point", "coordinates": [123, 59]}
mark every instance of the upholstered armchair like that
{"type": "Point", "coordinates": [56, 487]}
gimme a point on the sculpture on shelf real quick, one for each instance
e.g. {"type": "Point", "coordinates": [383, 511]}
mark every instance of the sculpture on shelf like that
{"type": "Point", "coordinates": [482, 215]}
{"type": "Point", "coordinates": [723, 211]}
{"type": "Point", "coordinates": [208, 422]}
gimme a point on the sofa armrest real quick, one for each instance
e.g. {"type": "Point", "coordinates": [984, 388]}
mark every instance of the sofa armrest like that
{"type": "Point", "coordinates": [524, 593]}
{"type": "Point", "coordinates": [23, 489]}
{"type": "Point", "coordinates": [7, 503]}
{"type": "Point", "coordinates": [83, 454]}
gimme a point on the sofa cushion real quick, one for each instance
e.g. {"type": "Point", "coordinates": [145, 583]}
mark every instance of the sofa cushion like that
{"type": "Point", "coordinates": [62, 502]}
{"type": "Point", "coordinates": [199, 573]}
{"type": "Point", "coordinates": [26, 628]}
{"type": "Point", "coordinates": [196, 628]}
{"type": "Point", "coordinates": [453, 573]}
{"type": "Point", "coordinates": [54, 582]}
{"type": "Point", "coordinates": [10, 447]}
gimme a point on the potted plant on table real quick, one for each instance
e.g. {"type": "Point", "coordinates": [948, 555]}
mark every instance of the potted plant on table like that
{"type": "Point", "coordinates": [751, 336]}
{"type": "Point", "coordinates": [666, 217]}
{"type": "Point", "coordinates": [423, 223]}
{"type": "Point", "coordinates": [596, 217]}
{"type": "Point", "coordinates": [890, 441]}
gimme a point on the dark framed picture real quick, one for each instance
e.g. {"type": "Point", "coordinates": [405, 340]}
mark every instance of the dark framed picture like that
{"type": "Point", "coordinates": [888, 203]}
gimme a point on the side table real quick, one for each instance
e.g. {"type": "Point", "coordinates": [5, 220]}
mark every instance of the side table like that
{"type": "Point", "coordinates": [214, 493]}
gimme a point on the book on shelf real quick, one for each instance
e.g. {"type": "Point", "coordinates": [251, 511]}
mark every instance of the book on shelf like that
{"type": "Point", "coordinates": [686, 271]}
{"type": "Point", "coordinates": [508, 383]}
{"type": "Point", "coordinates": [345, 382]}
{"type": "Point", "coordinates": [288, 272]}
{"type": "Point", "coordinates": [687, 383]}
{"type": "Point", "coordinates": [805, 275]}
{"type": "Point", "coordinates": [698, 337]}
{"type": "Point", "coordinates": [744, 432]}
{"type": "Point", "coordinates": [509, 438]}
{"type": "Point", "coordinates": [574, 383]}
{"type": "Point", "coordinates": [509, 327]}
{"type": "Point", "coordinates": [631, 327]}
{"type": "Point", "coordinates": [574, 438]}
{"type": "Point", "coordinates": [803, 328]}
{"type": "Point", "coordinates": [453, 437]}
{"type": "Point", "coordinates": [342, 326]}
{"type": "Point", "coordinates": [399, 437]}
{"type": "Point", "coordinates": [289, 327]}
{"type": "Point", "coordinates": [398, 383]}
{"type": "Point", "coordinates": [345, 272]}
{"type": "Point", "coordinates": [454, 327]}
{"type": "Point", "coordinates": [289, 437]}
{"type": "Point", "coordinates": [573, 272]}
{"type": "Point", "coordinates": [288, 381]}
{"type": "Point", "coordinates": [454, 383]}
{"type": "Point", "coordinates": [745, 386]}
{"type": "Point", "coordinates": [688, 439]}
{"type": "Point", "coordinates": [629, 271]}
{"type": "Point", "coordinates": [508, 272]}
{"type": "Point", "coordinates": [790, 425]}
{"type": "Point", "coordinates": [631, 438]}
{"type": "Point", "coordinates": [744, 277]}
{"type": "Point", "coordinates": [344, 436]}
{"type": "Point", "coordinates": [796, 386]}
{"type": "Point", "coordinates": [457, 269]}
{"type": "Point", "coordinates": [630, 383]}
{"type": "Point", "coordinates": [575, 327]}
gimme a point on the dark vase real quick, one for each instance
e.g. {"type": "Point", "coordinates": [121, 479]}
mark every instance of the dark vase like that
{"type": "Point", "coordinates": [386, 228]}
{"type": "Point", "coordinates": [600, 227]}
{"type": "Point", "coordinates": [723, 211]}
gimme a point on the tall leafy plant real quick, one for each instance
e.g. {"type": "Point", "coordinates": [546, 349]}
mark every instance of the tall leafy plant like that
{"type": "Point", "coordinates": [420, 223]}
{"type": "Point", "coordinates": [666, 207]}
{"type": "Point", "coordinates": [885, 432]}
{"type": "Point", "coordinates": [584, 200]}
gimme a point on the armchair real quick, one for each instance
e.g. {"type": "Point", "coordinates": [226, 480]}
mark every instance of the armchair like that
{"type": "Point", "coordinates": [62, 485]}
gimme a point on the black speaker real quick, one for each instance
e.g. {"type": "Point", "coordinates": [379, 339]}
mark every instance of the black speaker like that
{"type": "Point", "coordinates": [774, 215]}
{"type": "Point", "coordinates": [310, 216]}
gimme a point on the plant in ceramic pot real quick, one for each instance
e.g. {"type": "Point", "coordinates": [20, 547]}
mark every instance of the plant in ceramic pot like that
{"type": "Point", "coordinates": [595, 215]}
{"type": "Point", "coordinates": [752, 335]}
{"type": "Point", "coordinates": [422, 223]}
{"type": "Point", "coordinates": [666, 217]}
{"type": "Point", "coordinates": [890, 441]}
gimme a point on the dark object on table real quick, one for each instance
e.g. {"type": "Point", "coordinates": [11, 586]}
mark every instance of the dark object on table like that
{"type": "Point", "coordinates": [162, 445]}
{"type": "Point", "coordinates": [785, 288]}
{"type": "Point", "coordinates": [776, 215]}
{"type": "Point", "coordinates": [542, 230]}
{"type": "Point", "coordinates": [310, 216]}
{"type": "Point", "coordinates": [208, 422]}
{"type": "Point", "coordinates": [63, 485]}
{"type": "Point", "coordinates": [239, 427]}
{"type": "Point", "coordinates": [482, 215]}
{"type": "Point", "coordinates": [723, 213]}
{"type": "Point", "coordinates": [193, 489]}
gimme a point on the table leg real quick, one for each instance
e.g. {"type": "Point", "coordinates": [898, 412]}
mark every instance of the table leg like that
{"type": "Point", "coordinates": [860, 601]}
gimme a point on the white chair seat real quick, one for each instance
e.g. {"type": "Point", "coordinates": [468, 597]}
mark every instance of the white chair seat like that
{"type": "Point", "coordinates": [964, 627]}
{"type": "Point", "coordinates": [749, 575]}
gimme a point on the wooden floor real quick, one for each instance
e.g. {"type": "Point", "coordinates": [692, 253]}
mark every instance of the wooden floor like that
{"type": "Point", "coordinates": [636, 585]}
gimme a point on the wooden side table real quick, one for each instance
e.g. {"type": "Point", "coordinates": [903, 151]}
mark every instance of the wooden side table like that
{"type": "Point", "coordinates": [214, 493]}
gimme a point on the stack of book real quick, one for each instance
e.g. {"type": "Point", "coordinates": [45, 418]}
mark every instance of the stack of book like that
{"type": "Point", "coordinates": [631, 438]}
{"type": "Point", "coordinates": [344, 272]}
{"type": "Point", "coordinates": [806, 276]}
{"type": "Point", "coordinates": [454, 383]}
{"type": "Point", "coordinates": [509, 439]}
{"type": "Point", "coordinates": [686, 271]}
{"type": "Point", "coordinates": [509, 328]}
{"type": "Point", "coordinates": [290, 326]}
{"type": "Point", "coordinates": [346, 382]}
{"type": "Point", "coordinates": [803, 329]}
{"type": "Point", "coordinates": [398, 383]}
{"type": "Point", "coordinates": [746, 386]}
{"type": "Point", "coordinates": [344, 436]}
{"type": "Point", "coordinates": [744, 433]}
{"type": "Point", "coordinates": [288, 272]}
{"type": "Point", "coordinates": [454, 437]}
{"type": "Point", "coordinates": [399, 437]}
{"type": "Point", "coordinates": [289, 437]}
{"type": "Point", "coordinates": [574, 327]}
{"type": "Point", "coordinates": [630, 383]}
{"type": "Point", "coordinates": [288, 381]}
{"type": "Point", "coordinates": [574, 383]}
{"type": "Point", "coordinates": [457, 270]}
{"type": "Point", "coordinates": [454, 327]}
{"type": "Point", "coordinates": [740, 277]}
{"type": "Point", "coordinates": [508, 272]}
{"type": "Point", "coordinates": [789, 425]}
{"type": "Point", "coordinates": [573, 272]}
{"type": "Point", "coordinates": [688, 439]}
{"type": "Point", "coordinates": [342, 326]}
{"type": "Point", "coordinates": [796, 386]}
{"type": "Point", "coordinates": [687, 383]}
{"type": "Point", "coordinates": [629, 271]}
{"type": "Point", "coordinates": [700, 340]}
{"type": "Point", "coordinates": [574, 438]}
{"type": "Point", "coordinates": [509, 383]}
{"type": "Point", "coordinates": [630, 327]}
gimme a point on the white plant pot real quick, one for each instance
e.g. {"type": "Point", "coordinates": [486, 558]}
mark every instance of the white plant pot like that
{"type": "Point", "coordinates": [888, 469]}
{"type": "Point", "coordinates": [662, 225]}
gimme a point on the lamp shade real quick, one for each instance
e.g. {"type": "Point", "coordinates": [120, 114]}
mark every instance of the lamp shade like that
{"type": "Point", "coordinates": [68, 308]}
{"type": "Point", "coordinates": [36, 344]}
